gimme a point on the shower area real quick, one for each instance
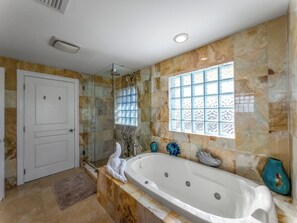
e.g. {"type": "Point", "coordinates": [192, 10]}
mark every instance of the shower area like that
{"type": "Point", "coordinates": [111, 111]}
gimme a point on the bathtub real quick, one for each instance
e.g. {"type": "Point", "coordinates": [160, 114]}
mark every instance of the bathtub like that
{"type": "Point", "coordinates": [200, 193]}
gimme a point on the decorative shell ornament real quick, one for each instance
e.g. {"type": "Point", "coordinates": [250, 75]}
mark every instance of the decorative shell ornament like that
{"type": "Point", "coordinates": [207, 159]}
{"type": "Point", "coordinates": [173, 149]}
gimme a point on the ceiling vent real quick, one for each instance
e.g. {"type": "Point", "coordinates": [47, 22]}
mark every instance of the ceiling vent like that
{"type": "Point", "coordinates": [63, 45]}
{"type": "Point", "coordinates": [59, 5]}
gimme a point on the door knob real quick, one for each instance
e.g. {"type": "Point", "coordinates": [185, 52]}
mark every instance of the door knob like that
{"type": "Point", "coordinates": [71, 130]}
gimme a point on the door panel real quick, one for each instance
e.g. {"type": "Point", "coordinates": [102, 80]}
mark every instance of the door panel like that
{"type": "Point", "coordinates": [51, 104]}
{"type": "Point", "coordinates": [49, 115]}
{"type": "Point", "coordinates": [51, 153]}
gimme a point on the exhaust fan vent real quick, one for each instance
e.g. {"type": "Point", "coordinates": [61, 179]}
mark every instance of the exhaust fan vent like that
{"type": "Point", "coordinates": [59, 5]}
{"type": "Point", "coordinates": [63, 45]}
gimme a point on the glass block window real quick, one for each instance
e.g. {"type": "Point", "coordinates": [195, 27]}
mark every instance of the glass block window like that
{"type": "Point", "coordinates": [126, 112]}
{"type": "Point", "coordinates": [202, 102]}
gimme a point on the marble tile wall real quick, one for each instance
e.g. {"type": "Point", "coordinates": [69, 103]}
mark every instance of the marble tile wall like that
{"type": "Point", "coordinates": [292, 86]}
{"type": "Point", "coordinates": [11, 66]}
{"type": "Point", "coordinates": [259, 56]}
{"type": "Point", "coordinates": [142, 132]}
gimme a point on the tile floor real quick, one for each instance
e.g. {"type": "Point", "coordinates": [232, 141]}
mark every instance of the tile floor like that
{"type": "Point", "coordinates": [34, 202]}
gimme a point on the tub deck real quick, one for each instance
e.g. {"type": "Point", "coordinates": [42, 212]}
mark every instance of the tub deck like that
{"type": "Point", "coordinates": [127, 203]}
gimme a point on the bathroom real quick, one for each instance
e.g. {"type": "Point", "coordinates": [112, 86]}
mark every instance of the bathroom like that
{"type": "Point", "coordinates": [130, 60]}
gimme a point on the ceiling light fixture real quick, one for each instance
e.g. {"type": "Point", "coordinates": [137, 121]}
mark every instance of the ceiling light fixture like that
{"type": "Point", "coordinates": [181, 38]}
{"type": "Point", "coordinates": [203, 58]}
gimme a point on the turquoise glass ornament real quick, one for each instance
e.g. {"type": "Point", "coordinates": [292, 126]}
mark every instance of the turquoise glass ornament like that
{"type": "Point", "coordinates": [173, 149]}
{"type": "Point", "coordinates": [154, 147]}
{"type": "Point", "coordinates": [275, 177]}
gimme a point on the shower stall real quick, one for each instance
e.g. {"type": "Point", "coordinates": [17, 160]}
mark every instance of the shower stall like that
{"type": "Point", "coordinates": [106, 95]}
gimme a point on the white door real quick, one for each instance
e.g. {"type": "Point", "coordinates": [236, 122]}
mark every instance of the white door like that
{"type": "Point", "coordinates": [49, 127]}
{"type": "Point", "coordinates": [2, 159]}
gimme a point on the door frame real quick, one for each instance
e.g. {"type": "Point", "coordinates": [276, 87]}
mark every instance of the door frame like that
{"type": "Point", "coordinates": [2, 120]}
{"type": "Point", "coordinates": [21, 74]}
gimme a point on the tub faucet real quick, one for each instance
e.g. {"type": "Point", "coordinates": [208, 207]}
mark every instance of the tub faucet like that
{"type": "Point", "coordinates": [136, 147]}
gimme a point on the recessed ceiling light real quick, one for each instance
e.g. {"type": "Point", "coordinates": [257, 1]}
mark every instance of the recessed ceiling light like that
{"type": "Point", "coordinates": [181, 38]}
{"type": "Point", "coordinates": [203, 58]}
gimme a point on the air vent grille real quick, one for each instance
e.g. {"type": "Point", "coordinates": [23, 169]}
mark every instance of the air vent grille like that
{"type": "Point", "coordinates": [59, 5]}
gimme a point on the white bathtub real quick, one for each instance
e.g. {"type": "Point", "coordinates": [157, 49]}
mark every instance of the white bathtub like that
{"type": "Point", "coordinates": [201, 193]}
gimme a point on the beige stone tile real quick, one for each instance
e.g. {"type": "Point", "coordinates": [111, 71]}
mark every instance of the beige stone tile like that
{"type": "Point", "coordinates": [250, 165]}
{"type": "Point", "coordinates": [10, 167]}
{"type": "Point", "coordinates": [277, 87]}
{"type": "Point", "coordinates": [105, 218]}
{"type": "Point", "coordinates": [278, 116]}
{"type": "Point", "coordinates": [10, 72]}
{"type": "Point", "coordinates": [159, 98]}
{"type": "Point", "coordinates": [276, 44]}
{"type": "Point", "coordinates": [151, 218]}
{"type": "Point", "coordinates": [221, 51]}
{"type": "Point", "coordinates": [35, 202]}
{"type": "Point", "coordinates": [279, 148]}
{"type": "Point", "coordinates": [10, 133]}
{"type": "Point", "coordinates": [200, 140]}
{"type": "Point", "coordinates": [250, 52]}
{"type": "Point", "coordinates": [86, 210]}
{"type": "Point", "coordinates": [221, 143]}
{"type": "Point", "coordinates": [10, 99]}
{"type": "Point", "coordinates": [164, 83]}
{"type": "Point", "coordinates": [252, 140]}
{"type": "Point", "coordinates": [173, 217]}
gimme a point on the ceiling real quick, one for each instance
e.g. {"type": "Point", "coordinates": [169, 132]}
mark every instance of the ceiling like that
{"type": "Point", "coordinates": [134, 33]}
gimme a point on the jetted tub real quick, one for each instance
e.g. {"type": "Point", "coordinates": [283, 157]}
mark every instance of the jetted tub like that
{"type": "Point", "coordinates": [200, 193]}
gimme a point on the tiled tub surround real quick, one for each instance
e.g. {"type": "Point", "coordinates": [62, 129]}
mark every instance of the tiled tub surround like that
{"type": "Point", "coordinates": [126, 203]}
{"type": "Point", "coordinates": [200, 193]}
{"type": "Point", "coordinates": [260, 77]}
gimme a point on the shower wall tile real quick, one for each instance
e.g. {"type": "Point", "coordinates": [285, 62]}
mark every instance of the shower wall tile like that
{"type": "Point", "coordinates": [103, 81]}
{"type": "Point", "coordinates": [140, 134]}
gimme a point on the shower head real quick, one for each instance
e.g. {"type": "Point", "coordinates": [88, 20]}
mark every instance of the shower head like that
{"type": "Point", "coordinates": [114, 71]}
